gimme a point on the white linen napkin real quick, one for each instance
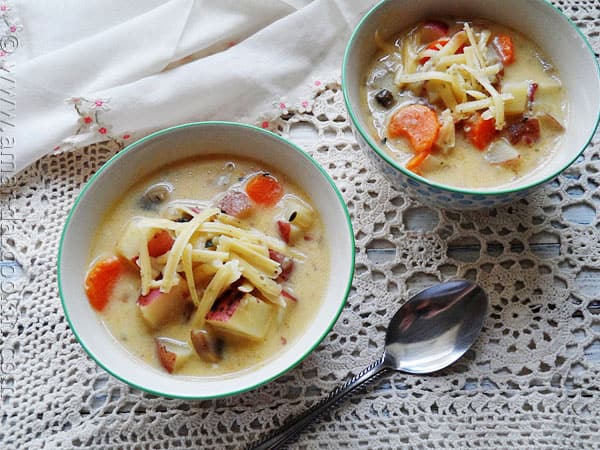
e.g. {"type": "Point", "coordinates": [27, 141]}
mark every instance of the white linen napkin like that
{"type": "Point", "coordinates": [96, 70]}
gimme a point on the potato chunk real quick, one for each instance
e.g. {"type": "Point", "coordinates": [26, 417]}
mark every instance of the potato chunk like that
{"type": "Point", "coordinates": [172, 354]}
{"type": "Point", "coordinates": [129, 243]}
{"type": "Point", "coordinates": [247, 316]}
{"type": "Point", "coordinates": [519, 91]}
{"type": "Point", "coordinates": [158, 308]}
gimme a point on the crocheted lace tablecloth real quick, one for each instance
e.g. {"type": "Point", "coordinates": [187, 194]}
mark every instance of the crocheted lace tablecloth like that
{"type": "Point", "coordinates": [531, 381]}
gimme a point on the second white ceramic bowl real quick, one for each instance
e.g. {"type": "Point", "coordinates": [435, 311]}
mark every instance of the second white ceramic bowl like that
{"type": "Point", "coordinates": [545, 25]}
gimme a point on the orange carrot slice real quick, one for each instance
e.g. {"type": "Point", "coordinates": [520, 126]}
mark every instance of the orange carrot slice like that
{"type": "Point", "coordinates": [435, 45]}
{"type": "Point", "coordinates": [414, 163]}
{"type": "Point", "coordinates": [505, 48]}
{"type": "Point", "coordinates": [264, 189]}
{"type": "Point", "coordinates": [101, 279]}
{"type": "Point", "coordinates": [480, 131]}
{"type": "Point", "coordinates": [160, 243]}
{"type": "Point", "coordinates": [418, 123]}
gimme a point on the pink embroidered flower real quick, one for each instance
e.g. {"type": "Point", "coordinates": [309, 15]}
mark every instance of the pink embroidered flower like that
{"type": "Point", "coordinates": [14, 27]}
{"type": "Point", "coordinates": [264, 124]}
{"type": "Point", "coordinates": [100, 104]}
{"type": "Point", "coordinates": [102, 130]}
{"type": "Point", "coordinates": [281, 106]}
{"type": "Point", "coordinates": [85, 121]}
{"type": "Point", "coordinates": [2, 53]}
{"type": "Point", "coordinates": [304, 106]}
{"type": "Point", "coordinates": [317, 83]}
{"type": "Point", "coordinates": [126, 136]}
{"type": "Point", "coordinates": [57, 148]}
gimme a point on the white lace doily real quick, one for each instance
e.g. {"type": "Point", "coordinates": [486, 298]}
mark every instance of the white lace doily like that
{"type": "Point", "coordinates": [531, 381]}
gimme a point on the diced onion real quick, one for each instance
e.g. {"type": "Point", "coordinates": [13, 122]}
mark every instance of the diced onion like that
{"type": "Point", "coordinates": [500, 152]}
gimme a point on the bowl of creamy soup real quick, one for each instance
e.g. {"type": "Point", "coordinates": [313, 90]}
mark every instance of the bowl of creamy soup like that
{"type": "Point", "coordinates": [470, 104]}
{"type": "Point", "coordinates": [205, 260]}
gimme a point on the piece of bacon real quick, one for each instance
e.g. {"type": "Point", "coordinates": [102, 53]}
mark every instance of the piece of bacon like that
{"type": "Point", "coordinates": [531, 90]}
{"type": "Point", "coordinates": [144, 300]}
{"type": "Point", "coordinates": [526, 130]}
{"type": "Point", "coordinates": [286, 263]}
{"type": "Point", "coordinates": [284, 230]}
{"type": "Point", "coordinates": [288, 294]}
{"type": "Point", "coordinates": [432, 30]}
{"type": "Point", "coordinates": [235, 203]}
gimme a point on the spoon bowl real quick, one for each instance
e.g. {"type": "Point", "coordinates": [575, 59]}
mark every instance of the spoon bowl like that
{"type": "Point", "coordinates": [428, 333]}
{"type": "Point", "coordinates": [435, 327]}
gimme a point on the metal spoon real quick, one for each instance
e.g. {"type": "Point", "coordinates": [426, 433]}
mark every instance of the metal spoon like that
{"type": "Point", "coordinates": [429, 332]}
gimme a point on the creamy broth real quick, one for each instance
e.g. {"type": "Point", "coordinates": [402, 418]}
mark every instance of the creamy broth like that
{"type": "Point", "coordinates": [463, 164]}
{"type": "Point", "coordinates": [206, 179]}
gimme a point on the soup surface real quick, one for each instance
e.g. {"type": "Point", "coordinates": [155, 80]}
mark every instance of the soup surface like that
{"type": "Point", "coordinates": [209, 266]}
{"type": "Point", "coordinates": [467, 104]}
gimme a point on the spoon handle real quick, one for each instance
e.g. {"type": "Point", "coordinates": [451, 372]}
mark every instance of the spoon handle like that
{"type": "Point", "coordinates": [294, 426]}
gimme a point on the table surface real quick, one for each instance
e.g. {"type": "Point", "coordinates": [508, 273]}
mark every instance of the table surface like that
{"type": "Point", "coordinates": [533, 379]}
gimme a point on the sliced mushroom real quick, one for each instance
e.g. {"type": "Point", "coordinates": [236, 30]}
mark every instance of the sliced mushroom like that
{"type": "Point", "coordinates": [156, 194]}
{"type": "Point", "coordinates": [207, 346]}
{"type": "Point", "coordinates": [181, 210]}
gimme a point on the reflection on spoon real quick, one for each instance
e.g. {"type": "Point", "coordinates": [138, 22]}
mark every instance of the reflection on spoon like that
{"type": "Point", "coordinates": [431, 331]}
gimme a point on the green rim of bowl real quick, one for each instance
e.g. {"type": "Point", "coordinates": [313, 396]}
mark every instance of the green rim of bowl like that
{"type": "Point", "coordinates": [141, 141]}
{"type": "Point", "coordinates": [388, 159]}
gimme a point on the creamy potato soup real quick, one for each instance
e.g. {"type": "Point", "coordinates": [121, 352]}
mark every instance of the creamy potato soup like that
{"type": "Point", "coordinates": [209, 266]}
{"type": "Point", "coordinates": [467, 104]}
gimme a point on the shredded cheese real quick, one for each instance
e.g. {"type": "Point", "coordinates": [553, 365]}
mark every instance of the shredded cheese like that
{"type": "Point", "coordinates": [189, 273]}
{"type": "Point", "coordinates": [479, 59]}
{"type": "Point", "coordinates": [267, 287]}
{"type": "Point", "coordinates": [182, 240]}
{"type": "Point", "coordinates": [224, 277]}
{"type": "Point", "coordinates": [477, 105]}
{"type": "Point", "coordinates": [145, 266]}
{"type": "Point", "coordinates": [250, 236]}
{"type": "Point", "coordinates": [271, 268]}
{"type": "Point", "coordinates": [464, 82]}
{"type": "Point", "coordinates": [150, 222]}
{"type": "Point", "coordinates": [422, 76]}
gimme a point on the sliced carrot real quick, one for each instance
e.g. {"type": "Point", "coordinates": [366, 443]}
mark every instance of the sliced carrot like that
{"type": "Point", "coordinates": [414, 163]}
{"type": "Point", "coordinates": [101, 279]}
{"type": "Point", "coordinates": [505, 48]}
{"type": "Point", "coordinates": [435, 45]}
{"type": "Point", "coordinates": [264, 189]}
{"type": "Point", "coordinates": [160, 243]}
{"type": "Point", "coordinates": [480, 131]}
{"type": "Point", "coordinates": [418, 123]}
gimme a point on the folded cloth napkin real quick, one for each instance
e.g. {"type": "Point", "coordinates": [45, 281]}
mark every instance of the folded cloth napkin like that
{"type": "Point", "coordinates": [90, 71]}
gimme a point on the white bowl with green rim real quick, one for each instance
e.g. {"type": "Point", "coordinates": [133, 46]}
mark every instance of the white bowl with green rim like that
{"type": "Point", "coordinates": [541, 22]}
{"type": "Point", "coordinates": [146, 156]}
